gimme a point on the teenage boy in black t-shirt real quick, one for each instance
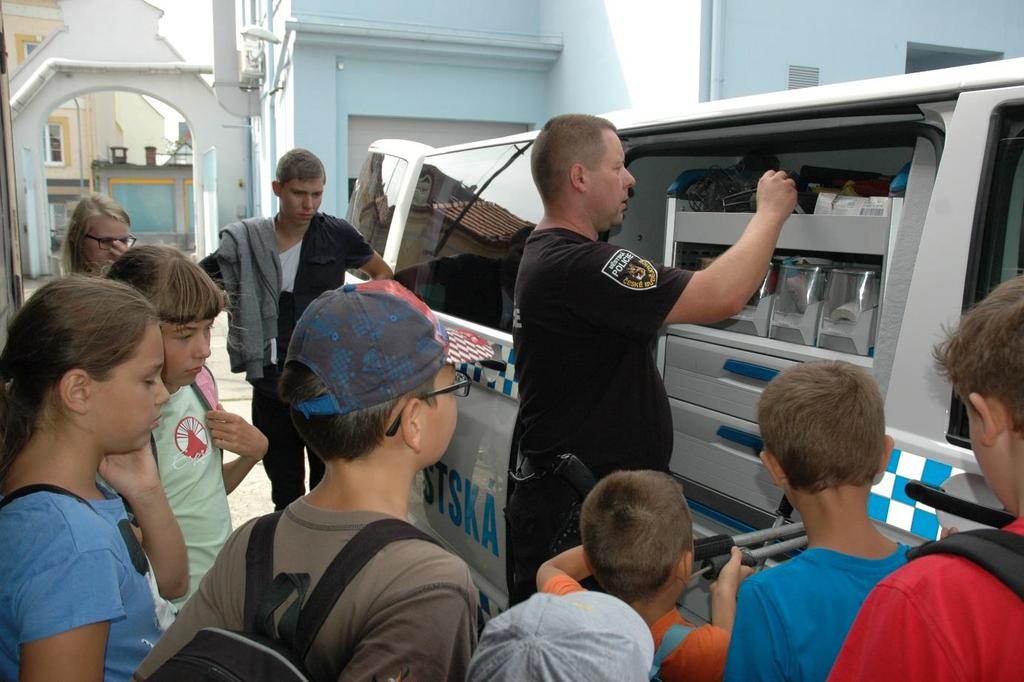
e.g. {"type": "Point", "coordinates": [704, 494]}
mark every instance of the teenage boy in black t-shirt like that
{"type": "Point", "coordinates": [273, 268]}
{"type": "Point", "coordinates": [586, 315]}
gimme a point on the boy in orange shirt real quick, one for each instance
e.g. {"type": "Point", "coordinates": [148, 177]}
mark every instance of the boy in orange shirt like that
{"type": "Point", "coordinates": [638, 543]}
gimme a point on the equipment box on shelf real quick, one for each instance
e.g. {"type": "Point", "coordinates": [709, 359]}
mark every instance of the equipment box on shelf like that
{"type": "Point", "coordinates": [820, 299]}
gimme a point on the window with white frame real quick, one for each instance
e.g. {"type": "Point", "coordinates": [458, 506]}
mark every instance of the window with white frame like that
{"type": "Point", "coordinates": [54, 144]}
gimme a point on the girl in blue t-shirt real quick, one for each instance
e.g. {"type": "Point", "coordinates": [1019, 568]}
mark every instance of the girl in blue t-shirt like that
{"type": "Point", "coordinates": [80, 392]}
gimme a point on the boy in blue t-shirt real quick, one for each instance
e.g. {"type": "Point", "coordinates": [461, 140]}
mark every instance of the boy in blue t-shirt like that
{"type": "Point", "coordinates": [823, 425]}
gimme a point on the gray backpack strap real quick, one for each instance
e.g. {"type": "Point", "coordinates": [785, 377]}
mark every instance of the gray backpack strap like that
{"type": "Point", "coordinates": [672, 640]}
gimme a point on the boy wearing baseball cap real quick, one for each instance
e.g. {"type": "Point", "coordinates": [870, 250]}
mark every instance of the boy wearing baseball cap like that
{"type": "Point", "coordinates": [548, 638]}
{"type": "Point", "coordinates": [371, 386]}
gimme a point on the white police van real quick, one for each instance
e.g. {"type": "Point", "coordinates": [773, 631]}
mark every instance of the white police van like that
{"type": "Point", "coordinates": [911, 208]}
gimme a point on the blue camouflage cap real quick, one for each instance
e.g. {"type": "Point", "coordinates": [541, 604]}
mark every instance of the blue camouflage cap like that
{"type": "Point", "coordinates": [374, 342]}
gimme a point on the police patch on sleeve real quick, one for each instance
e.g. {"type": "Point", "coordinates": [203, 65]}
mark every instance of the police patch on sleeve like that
{"type": "Point", "coordinates": [631, 271]}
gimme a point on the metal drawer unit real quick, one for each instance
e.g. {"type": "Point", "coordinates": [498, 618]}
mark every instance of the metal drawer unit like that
{"type": "Point", "coordinates": [717, 377]}
{"type": "Point", "coordinates": [721, 452]}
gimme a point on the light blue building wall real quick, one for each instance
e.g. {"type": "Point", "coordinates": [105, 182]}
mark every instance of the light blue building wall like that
{"type": "Point", "coordinates": [502, 16]}
{"type": "Point", "coordinates": [330, 87]}
{"type": "Point", "coordinates": [759, 40]}
{"type": "Point", "coordinates": [481, 62]}
{"type": "Point", "coordinates": [622, 55]}
{"type": "Point", "coordinates": [522, 61]}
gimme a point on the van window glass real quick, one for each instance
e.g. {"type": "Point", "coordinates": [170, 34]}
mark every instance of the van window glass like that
{"type": "Point", "coordinates": [999, 247]}
{"type": "Point", "coordinates": [373, 198]}
{"type": "Point", "coordinates": [471, 213]}
{"type": "Point", "coordinates": [1001, 256]}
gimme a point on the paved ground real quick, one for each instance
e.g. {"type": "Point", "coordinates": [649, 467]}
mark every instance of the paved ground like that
{"type": "Point", "coordinates": [252, 497]}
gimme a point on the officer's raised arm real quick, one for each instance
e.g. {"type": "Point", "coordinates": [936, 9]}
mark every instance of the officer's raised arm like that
{"type": "Point", "coordinates": [724, 287]}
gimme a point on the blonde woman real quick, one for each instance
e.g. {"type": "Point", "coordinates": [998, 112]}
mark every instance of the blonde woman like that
{"type": "Point", "coordinates": [97, 235]}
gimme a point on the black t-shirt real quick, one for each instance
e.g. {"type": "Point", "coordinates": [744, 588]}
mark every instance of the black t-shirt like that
{"type": "Point", "coordinates": [586, 315]}
{"type": "Point", "coordinates": [329, 248]}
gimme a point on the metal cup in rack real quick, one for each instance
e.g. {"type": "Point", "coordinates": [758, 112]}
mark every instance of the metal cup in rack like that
{"type": "Point", "coordinates": [798, 300]}
{"type": "Point", "coordinates": [849, 313]}
{"type": "Point", "coordinates": [755, 316]}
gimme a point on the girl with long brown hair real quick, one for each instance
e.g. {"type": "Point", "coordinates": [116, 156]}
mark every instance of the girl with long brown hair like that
{"type": "Point", "coordinates": [80, 392]}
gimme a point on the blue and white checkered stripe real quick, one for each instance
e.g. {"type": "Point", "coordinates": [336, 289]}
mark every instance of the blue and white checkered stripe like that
{"type": "Point", "coordinates": [506, 382]}
{"type": "Point", "coordinates": [888, 501]}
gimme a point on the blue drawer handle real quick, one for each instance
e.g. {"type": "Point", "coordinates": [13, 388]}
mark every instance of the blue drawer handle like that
{"type": "Point", "coordinates": [740, 437]}
{"type": "Point", "coordinates": [750, 370]}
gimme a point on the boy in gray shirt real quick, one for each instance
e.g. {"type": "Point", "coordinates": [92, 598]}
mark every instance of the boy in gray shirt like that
{"type": "Point", "coordinates": [371, 388]}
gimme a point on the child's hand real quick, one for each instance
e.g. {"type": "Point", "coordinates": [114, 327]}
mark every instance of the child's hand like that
{"type": "Point", "coordinates": [572, 563]}
{"type": "Point", "coordinates": [946, 532]}
{"type": "Point", "coordinates": [117, 249]}
{"type": "Point", "coordinates": [231, 432]}
{"type": "Point", "coordinates": [731, 575]}
{"type": "Point", "coordinates": [133, 475]}
{"type": "Point", "coordinates": [723, 590]}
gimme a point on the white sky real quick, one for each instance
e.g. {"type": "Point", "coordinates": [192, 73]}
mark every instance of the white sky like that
{"type": "Point", "coordinates": [188, 25]}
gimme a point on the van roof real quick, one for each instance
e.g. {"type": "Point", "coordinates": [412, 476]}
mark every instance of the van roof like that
{"type": "Point", "coordinates": [906, 88]}
{"type": "Point", "coordinates": [913, 87]}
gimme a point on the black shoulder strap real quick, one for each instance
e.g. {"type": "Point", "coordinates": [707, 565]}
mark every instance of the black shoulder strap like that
{"type": "Point", "coordinates": [131, 543]}
{"type": "Point", "coordinates": [259, 566]}
{"type": "Point", "coordinates": [38, 488]}
{"type": "Point", "coordinates": [999, 552]}
{"type": "Point", "coordinates": [349, 561]}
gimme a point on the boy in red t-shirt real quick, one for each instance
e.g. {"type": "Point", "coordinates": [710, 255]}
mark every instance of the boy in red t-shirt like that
{"type": "Point", "coordinates": [942, 617]}
{"type": "Point", "coordinates": [638, 543]}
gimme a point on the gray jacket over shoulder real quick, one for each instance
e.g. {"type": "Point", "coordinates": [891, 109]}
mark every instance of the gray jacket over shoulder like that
{"type": "Point", "coordinates": [251, 272]}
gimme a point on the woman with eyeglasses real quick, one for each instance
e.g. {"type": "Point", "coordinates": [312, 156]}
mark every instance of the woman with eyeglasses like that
{"type": "Point", "coordinates": [97, 235]}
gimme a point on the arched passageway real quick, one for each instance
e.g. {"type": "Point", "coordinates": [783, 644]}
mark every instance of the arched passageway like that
{"type": "Point", "coordinates": [132, 57]}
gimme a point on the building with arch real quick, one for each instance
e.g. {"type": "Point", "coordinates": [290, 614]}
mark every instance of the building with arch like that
{"type": "Point", "coordinates": [72, 61]}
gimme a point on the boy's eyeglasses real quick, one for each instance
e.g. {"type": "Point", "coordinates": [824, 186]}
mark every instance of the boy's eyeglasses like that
{"type": "Point", "coordinates": [106, 242]}
{"type": "Point", "coordinates": [460, 388]}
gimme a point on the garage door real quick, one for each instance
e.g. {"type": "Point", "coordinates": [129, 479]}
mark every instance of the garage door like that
{"type": "Point", "coordinates": [362, 130]}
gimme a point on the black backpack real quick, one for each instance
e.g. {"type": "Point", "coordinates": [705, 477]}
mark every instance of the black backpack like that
{"type": "Point", "coordinates": [999, 552]}
{"type": "Point", "coordinates": [257, 652]}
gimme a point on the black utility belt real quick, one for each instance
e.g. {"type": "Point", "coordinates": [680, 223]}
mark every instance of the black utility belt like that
{"type": "Point", "coordinates": [567, 466]}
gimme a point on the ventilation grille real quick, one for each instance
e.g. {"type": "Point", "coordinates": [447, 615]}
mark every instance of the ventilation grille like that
{"type": "Point", "coordinates": [802, 77]}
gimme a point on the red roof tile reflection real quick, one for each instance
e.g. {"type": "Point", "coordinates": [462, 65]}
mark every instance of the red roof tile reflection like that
{"type": "Point", "coordinates": [485, 222]}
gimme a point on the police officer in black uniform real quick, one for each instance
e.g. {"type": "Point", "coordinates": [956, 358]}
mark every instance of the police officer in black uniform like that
{"type": "Point", "coordinates": [586, 314]}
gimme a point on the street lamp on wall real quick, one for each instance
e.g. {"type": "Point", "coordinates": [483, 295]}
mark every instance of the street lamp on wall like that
{"type": "Point", "coordinates": [252, 59]}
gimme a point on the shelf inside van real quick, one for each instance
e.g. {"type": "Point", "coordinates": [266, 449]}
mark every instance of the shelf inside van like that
{"type": "Point", "coordinates": [840, 234]}
{"type": "Point", "coordinates": [757, 344]}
